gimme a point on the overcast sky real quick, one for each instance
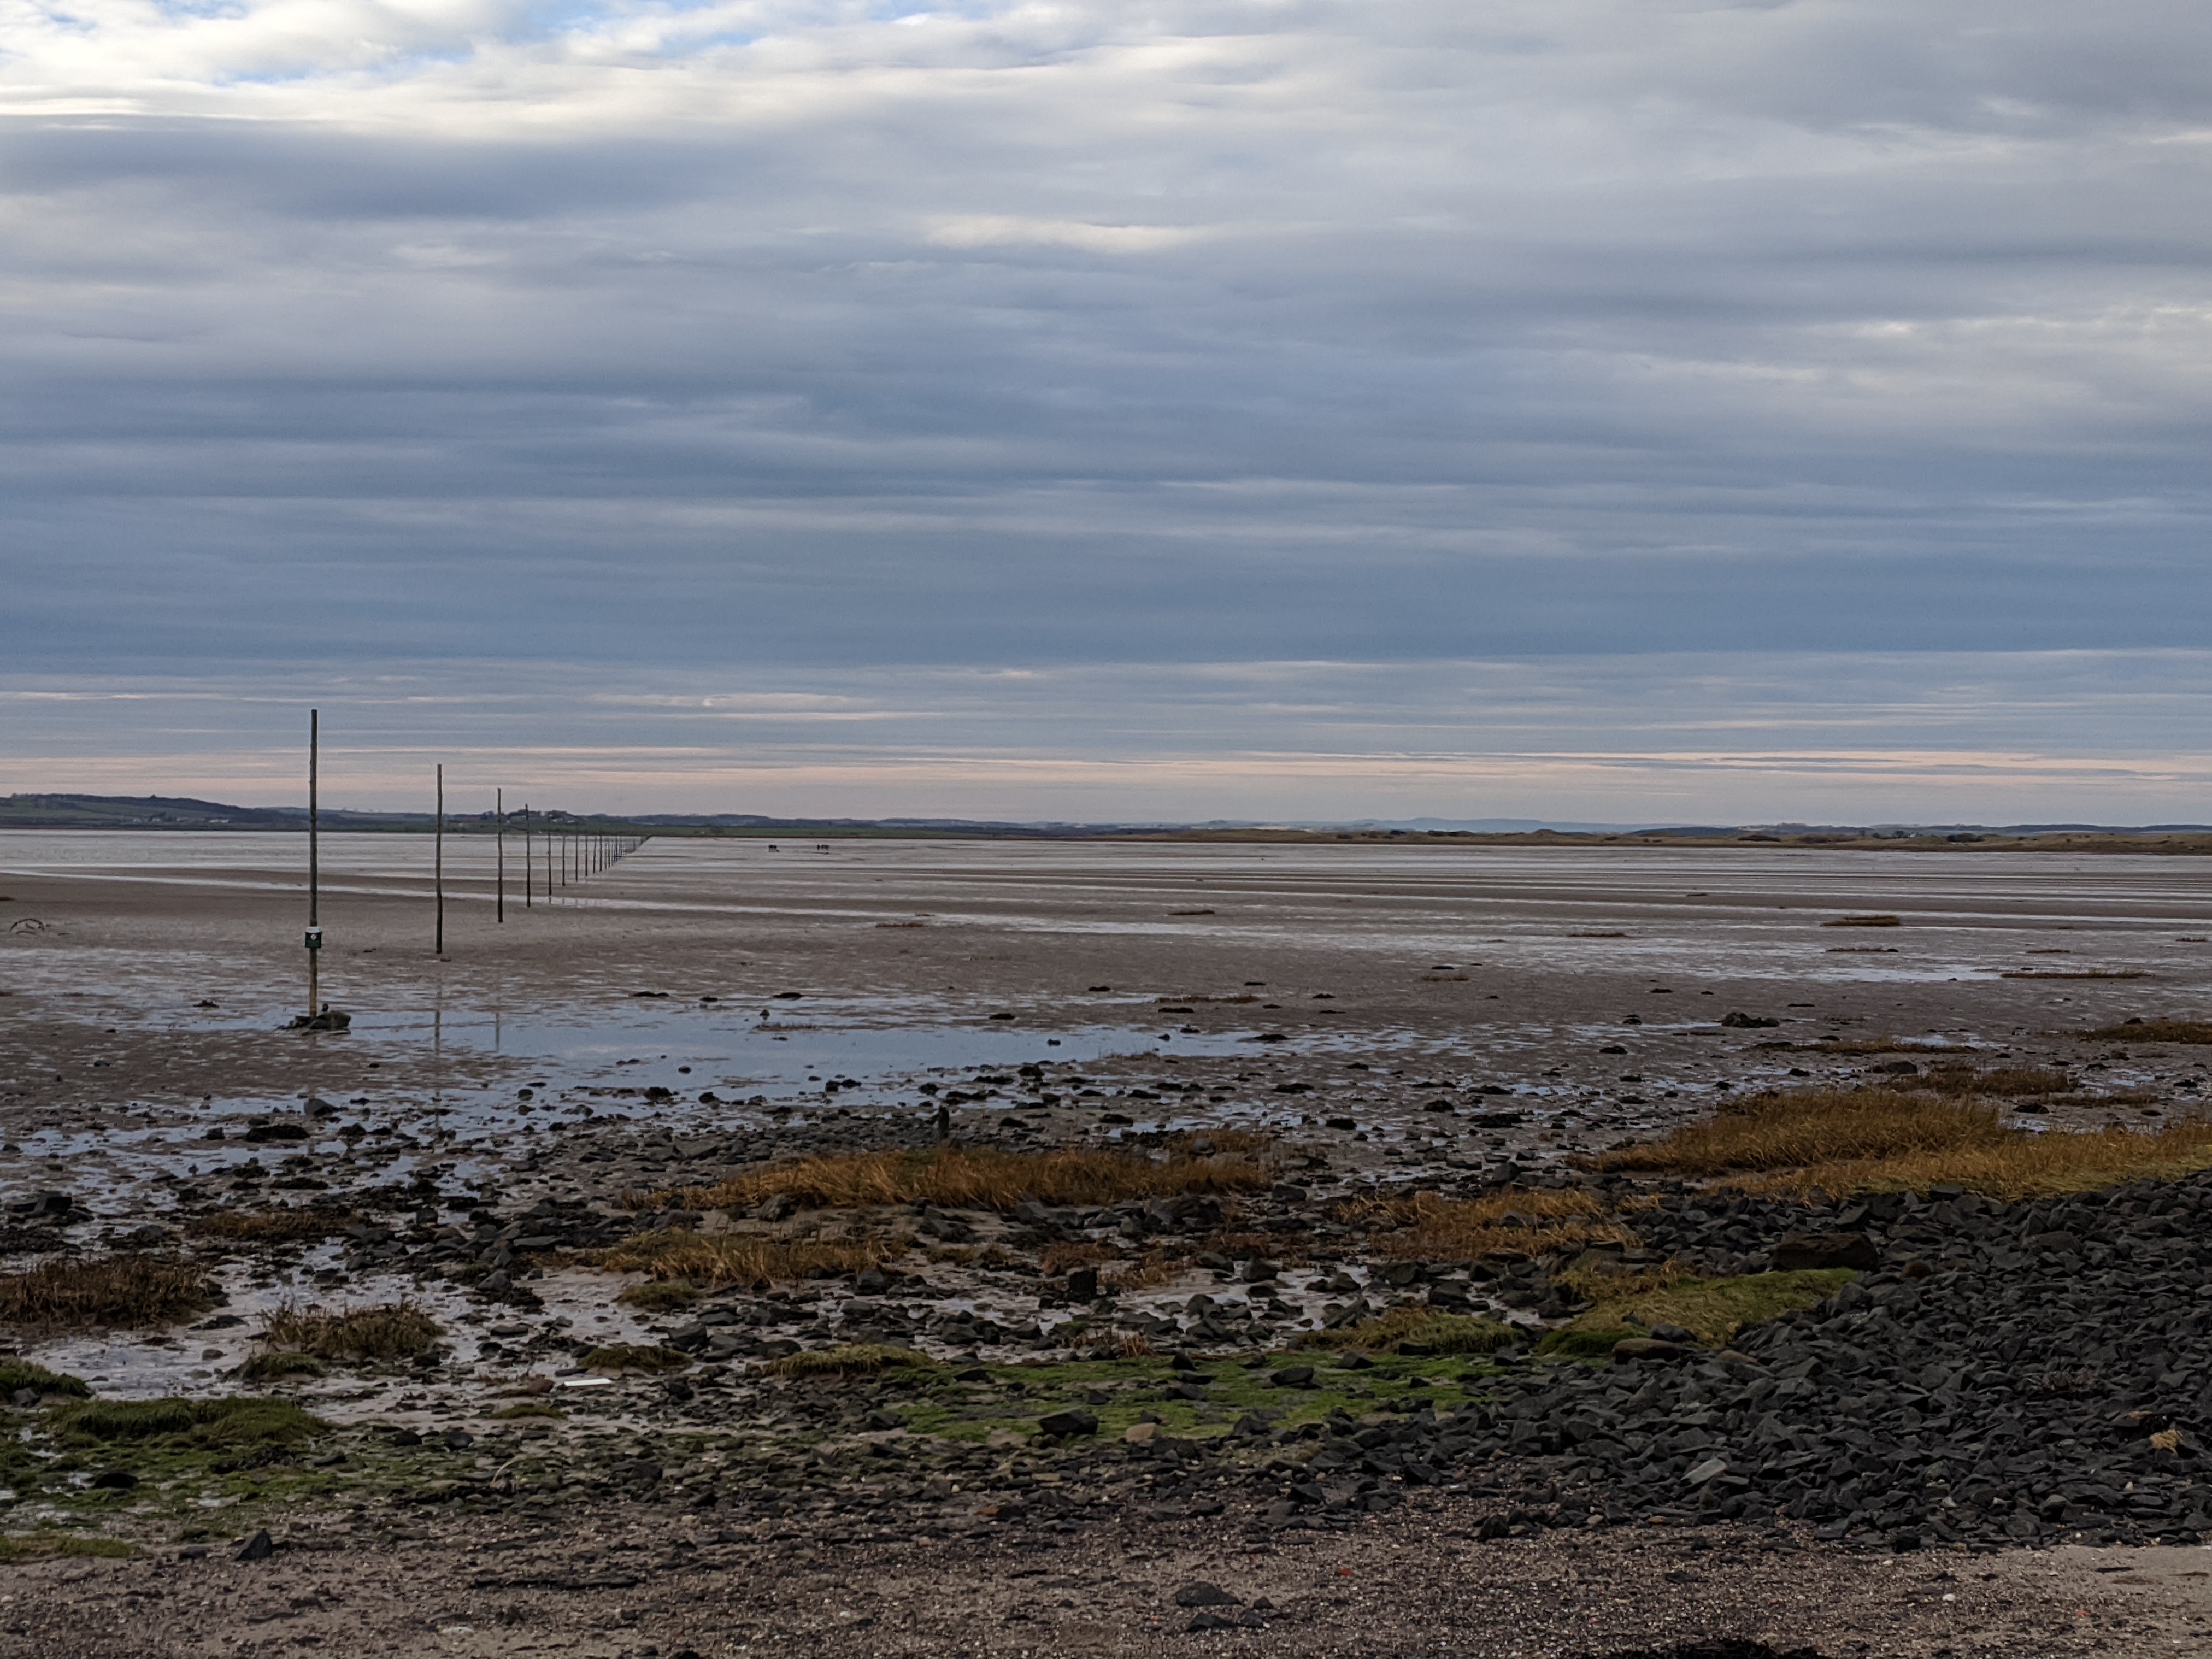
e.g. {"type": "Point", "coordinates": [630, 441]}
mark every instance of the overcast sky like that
{"type": "Point", "coordinates": [1593, 409]}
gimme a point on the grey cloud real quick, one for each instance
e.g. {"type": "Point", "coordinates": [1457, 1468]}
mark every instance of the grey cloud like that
{"type": "Point", "coordinates": [1190, 334]}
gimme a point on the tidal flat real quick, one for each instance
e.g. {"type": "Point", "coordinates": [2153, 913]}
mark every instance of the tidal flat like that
{"type": "Point", "coordinates": [882, 1246]}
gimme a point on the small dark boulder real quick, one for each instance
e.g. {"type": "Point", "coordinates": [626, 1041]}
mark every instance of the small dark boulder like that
{"type": "Point", "coordinates": [1065, 1425]}
{"type": "Point", "coordinates": [259, 1547]}
{"type": "Point", "coordinates": [1200, 1594]}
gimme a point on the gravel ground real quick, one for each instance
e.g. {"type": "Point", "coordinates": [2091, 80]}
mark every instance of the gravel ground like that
{"type": "Point", "coordinates": [623, 1586]}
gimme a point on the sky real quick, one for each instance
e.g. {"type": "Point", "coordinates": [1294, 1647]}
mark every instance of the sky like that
{"type": "Point", "coordinates": [1616, 410]}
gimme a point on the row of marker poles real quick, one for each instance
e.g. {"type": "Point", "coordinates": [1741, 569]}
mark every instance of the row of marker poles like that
{"type": "Point", "coordinates": [569, 858]}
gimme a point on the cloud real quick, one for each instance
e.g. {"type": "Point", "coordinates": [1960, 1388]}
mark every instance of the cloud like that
{"type": "Point", "coordinates": [800, 333]}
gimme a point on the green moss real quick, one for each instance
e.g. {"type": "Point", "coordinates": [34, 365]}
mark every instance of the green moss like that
{"type": "Point", "coordinates": [268, 1367]}
{"type": "Point", "coordinates": [1579, 1341]}
{"type": "Point", "coordinates": [46, 1545]}
{"type": "Point", "coordinates": [209, 1424]}
{"type": "Point", "coordinates": [1714, 1309]}
{"type": "Point", "coordinates": [22, 1374]}
{"type": "Point", "coordinates": [531, 1408]}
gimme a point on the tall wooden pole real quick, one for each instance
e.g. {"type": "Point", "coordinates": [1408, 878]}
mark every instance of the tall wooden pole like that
{"type": "Point", "coordinates": [499, 813]}
{"type": "Point", "coordinates": [314, 866]}
{"type": "Point", "coordinates": [526, 855]}
{"type": "Point", "coordinates": [438, 863]}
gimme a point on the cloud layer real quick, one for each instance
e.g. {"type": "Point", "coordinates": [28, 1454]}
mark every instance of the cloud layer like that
{"type": "Point", "coordinates": [695, 345]}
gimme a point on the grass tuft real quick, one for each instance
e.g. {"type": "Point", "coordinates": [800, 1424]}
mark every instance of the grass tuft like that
{"type": "Point", "coordinates": [22, 1374]}
{"type": "Point", "coordinates": [273, 1226]}
{"type": "Point", "coordinates": [274, 1367]}
{"type": "Point", "coordinates": [749, 1260]}
{"type": "Point", "coordinates": [980, 1178]}
{"type": "Point", "coordinates": [1884, 1141]}
{"type": "Point", "coordinates": [205, 1424]}
{"type": "Point", "coordinates": [1417, 1331]}
{"type": "Point", "coordinates": [1516, 1223]}
{"type": "Point", "coordinates": [850, 1359]}
{"type": "Point", "coordinates": [397, 1330]}
{"type": "Point", "coordinates": [113, 1291]}
{"type": "Point", "coordinates": [661, 1295]}
{"type": "Point", "coordinates": [1712, 1310]}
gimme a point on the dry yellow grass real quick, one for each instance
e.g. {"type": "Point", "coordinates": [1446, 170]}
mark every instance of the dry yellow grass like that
{"type": "Point", "coordinates": [979, 1178]}
{"type": "Point", "coordinates": [397, 1330]}
{"type": "Point", "coordinates": [1069, 1254]}
{"type": "Point", "coordinates": [2007, 1082]}
{"type": "Point", "coordinates": [273, 1226]}
{"type": "Point", "coordinates": [715, 1262]}
{"type": "Point", "coordinates": [1153, 1270]}
{"type": "Point", "coordinates": [115, 1290]}
{"type": "Point", "coordinates": [1883, 1140]}
{"type": "Point", "coordinates": [1425, 1227]}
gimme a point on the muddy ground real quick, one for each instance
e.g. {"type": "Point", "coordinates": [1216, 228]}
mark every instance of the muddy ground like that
{"type": "Point", "coordinates": [1458, 1022]}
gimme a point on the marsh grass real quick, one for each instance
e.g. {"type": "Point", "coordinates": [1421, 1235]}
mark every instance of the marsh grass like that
{"type": "Point", "coordinates": [661, 1295]}
{"type": "Point", "coordinates": [961, 1177]}
{"type": "Point", "coordinates": [1598, 1280]}
{"type": "Point", "coordinates": [1069, 1254]}
{"type": "Point", "coordinates": [851, 1359]}
{"type": "Point", "coordinates": [1957, 1078]}
{"type": "Point", "coordinates": [397, 1330]}
{"type": "Point", "coordinates": [718, 1260]}
{"type": "Point", "coordinates": [1427, 1228]}
{"type": "Point", "coordinates": [1889, 1141]}
{"type": "Point", "coordinates": [22, 1374]}
{"type": "Point", "coordinates": [274, 1367]}
{"type": "Point", "coordinates": [1712, 1310]}
{"type": "Point", "coordinates": [2153, 1031]}
{"type": "Point", "coordinates": [77, 1292]}
{"type": "Point", "coordinates": [273, 1226]}
{"type": "Point", "coordinates": [1148, 1273]}
{"type": "Point", "coordinates": [1417, 1332]}
{"type": "Point", "coordinates": [207, 1424]}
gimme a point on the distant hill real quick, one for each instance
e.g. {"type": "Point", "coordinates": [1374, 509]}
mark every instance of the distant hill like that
{"type": "Point", "coordinates": [183, 812]}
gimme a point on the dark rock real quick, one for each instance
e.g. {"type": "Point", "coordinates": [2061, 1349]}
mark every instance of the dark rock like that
{"type": "Point", "coordinates": [1068, 1424]}
{"type": "Point", "coordinates": [259, 1547]}
{"type": "Point", "coordinates": [1742, 1022]}
{"type": "Point", "coordinates": [1648, 1348]}
{"type": "Point", "coordinates": [1200, 1594]}
{"type": "Point", "coordinates": [115, 1480]}
{"type": "Point", "coordinates": [1292, 1377]}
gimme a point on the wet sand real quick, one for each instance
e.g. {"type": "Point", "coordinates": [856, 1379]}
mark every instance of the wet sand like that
{"type": "Point", "coordinates": [1416, 1017]}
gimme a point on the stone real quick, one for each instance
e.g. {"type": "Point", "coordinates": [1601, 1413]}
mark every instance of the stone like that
{"type": "Point", "coordinates": [1141, 1434]}
{"type": "Point", "coordinates": [259, 1547]}
{"type": "Point", "coordinates": [1068, 1424]}
{"type": "Point", "coordinates": [1200, 1594]}
{"type": "Point", "coordinates": [115, 1480]}
{"type": "Point", "coordinates": [1292, 1377]}
{"type": "Point", "coordinates": [1711, 1469]}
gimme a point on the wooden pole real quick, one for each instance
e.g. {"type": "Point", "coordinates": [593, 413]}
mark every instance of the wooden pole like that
{"type": "Point", "coordinates": [438, 863]}
{"type": "Point", "coordinates": [499, 815]}
{"type": "Point", "coordinates": [314, 865]}
{"type": "Point", "coordinates": [526, 855]}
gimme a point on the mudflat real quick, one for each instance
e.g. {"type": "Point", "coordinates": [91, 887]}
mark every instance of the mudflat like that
{"type": "Point", "coordinates": [749, 1303]}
